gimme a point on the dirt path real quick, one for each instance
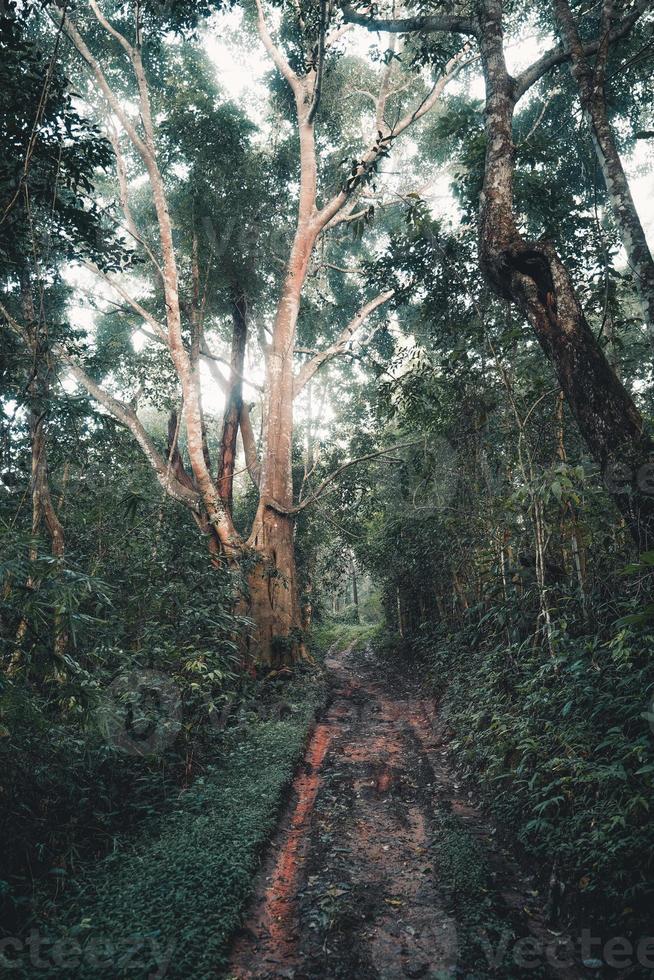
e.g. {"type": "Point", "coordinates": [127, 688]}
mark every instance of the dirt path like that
{"type": "Point", "coordinates": [351, 887]}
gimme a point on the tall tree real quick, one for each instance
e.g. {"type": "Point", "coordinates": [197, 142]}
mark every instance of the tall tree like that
{"type": "Point", "coordinates": [531, 273]}
{"type": "Point", "coordinates": [49, 154]}
{"type": "Point", "coordinates": [590, 79]}
{"type": "Point", "coordinates": [105, 47]}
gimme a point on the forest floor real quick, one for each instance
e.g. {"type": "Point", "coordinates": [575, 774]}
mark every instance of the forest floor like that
{"type": "Point", "coordinates": [381, 866]}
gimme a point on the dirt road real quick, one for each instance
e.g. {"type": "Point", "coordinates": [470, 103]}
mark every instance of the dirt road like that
{"type": "Point", "coordinates": [354, 883]}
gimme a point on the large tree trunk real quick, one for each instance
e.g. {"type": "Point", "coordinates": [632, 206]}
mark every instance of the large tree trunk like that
{"type": "Point", "coordinates": [532, 276]}
{"type": "Point", "coordinates": [273, 595]}
{"type": "Point", "coordinates": [590, 84]}
{"type": "Point", "coordinates": [274, 598]}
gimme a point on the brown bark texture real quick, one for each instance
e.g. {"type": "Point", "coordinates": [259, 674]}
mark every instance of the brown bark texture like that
{"type": "Point", "coordinates": [590, 81]}
{"type": "Point", "coordinates": [532, 275]}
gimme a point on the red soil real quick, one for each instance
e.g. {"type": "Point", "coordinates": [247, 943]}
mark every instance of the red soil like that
{"type": "Point", "coordinates": [349, 889]}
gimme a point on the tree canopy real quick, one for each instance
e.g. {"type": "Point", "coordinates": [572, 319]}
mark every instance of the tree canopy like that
{"type": "Point", "coordinates": [332, 312]}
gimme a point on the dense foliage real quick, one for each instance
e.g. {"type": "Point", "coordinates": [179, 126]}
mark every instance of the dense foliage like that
{"type": "Point", "coordinates": [438, 485]}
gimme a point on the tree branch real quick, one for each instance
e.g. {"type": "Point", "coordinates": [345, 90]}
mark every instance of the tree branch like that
{"type": "Point", "coordinates": [249, 441]}
{"type": "Point", "coordinates": [125, 414]}
{"type": "Point", "coordinates": [386, 138]}
{"type": "Point", "coordinates": [136, 306]}
{"type": "Point", "coordinates": [245, 422]}
{"type": "Point", "coordinates": [121, 172]}
{"type": "Point", "coordinates": [308, 369]}
{"type": "Point", "coordinates": [450, 24]}
{"type": "Point", "coordinates": [122, 40]}
{"type": "Point", "coordinates": [275, 53]}
{"type": "Point", "coordinates": [115, 104]}
{"type": "Point", "coordinates": [18, 328]}
{"type": "Point", "coordinates": [336, 473]}
{"type": "Point", "coordinates": [205, 352]}
{"type": "Point", "coordinates": [317, 87]}
{"type": "Point", "coordinates": [218, 517]}
{"type": "Point", "coordinates": [559, 54]}
{"type": "Point", "coordinates": [464, 25]}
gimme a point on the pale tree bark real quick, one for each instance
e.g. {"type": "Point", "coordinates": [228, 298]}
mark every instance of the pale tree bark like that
{"type": "Point", "coordinates": [273, 601]}
{"type": "Point", "coordinates": [590, 82]}
{"type": "Point", "coordinates": [127, 416]}
{"type": "Point", "coordinates": [219, 519]}
{"type": "Point", "coordinates": [273, 584]}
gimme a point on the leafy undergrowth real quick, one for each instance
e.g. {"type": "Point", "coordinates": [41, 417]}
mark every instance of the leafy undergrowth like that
{"type": "Point", "coordinates": [154, 647]}
{"type": "Point", "coordinates": [561, 747]}
{"type": "Point", "coordinates": [168, 901]}
{"type": "Point", "coordinates": [490, 937]}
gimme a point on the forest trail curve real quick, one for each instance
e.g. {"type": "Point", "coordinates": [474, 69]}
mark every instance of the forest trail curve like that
{"type": "Point", "coordinates": [350, 887]}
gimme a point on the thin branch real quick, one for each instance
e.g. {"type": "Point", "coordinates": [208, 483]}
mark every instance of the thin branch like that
{"type": "Point", "coordinates": [346, 213]}
{"type": "Point", "coordinates": [126, 414]}
{"type": "Point", "coordinates": [559, 54]}
{"type": "Point", "coordinates": [122, 412]}
{"type": "Point", "coordinates": [463, 25]}
{"type": "Point", "coordinates": [218, 517]}
{"type": "Point", "coordinates": [136, 306]}
{"type": "Point", "coordinates": [250, 451]}
{"type": "Point", "coordinates": [541, 115]}
{"type": "Point", "coordinates": [122, 40]}
{"type": "Point", "coordinates": [308, 370]}
{"type": "Point", "coordinates": [123, 187]}
{"type": "Point", "coordinates": [275, 53]}
{"type": "Point", "coordinates": [357, 270]}
{"type": "Point", "coordinates": [320, 66]}
{"type": "Point", "coordinates": [336, 473]}
{"type": "Point", "coordinates": [206, 352]}
{"type": "Point", "coordinates": [387, 137]}
{"type": "Point", "coordinates": [18, 328]}
{"type": "Point", "coordinates": [336, 35]}
{"type": "Point", "coordinates": [116, 106]}
{"type": "Point", "coordinates": [383, 94]}
{"type": "Point", "coordinates": [605, 43]}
